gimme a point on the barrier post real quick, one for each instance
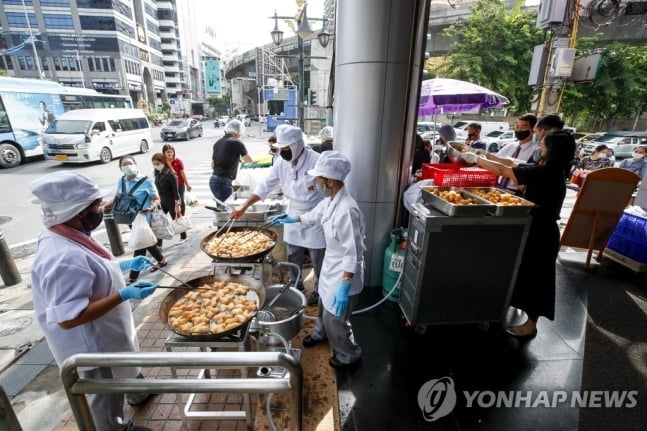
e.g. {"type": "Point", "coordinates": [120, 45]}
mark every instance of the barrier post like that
{"type": "Point", "coordinates": [8, 270]}
{"type": "Point", "coordinates": [114, 234]}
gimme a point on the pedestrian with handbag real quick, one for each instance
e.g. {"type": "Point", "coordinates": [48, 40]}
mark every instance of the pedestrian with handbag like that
{"type": "Point", "coordinates": [167, 188]}
{"type": "Point", "coordinates": [148, 199]}
{"type": "Point", "coordinates": [182, 181]}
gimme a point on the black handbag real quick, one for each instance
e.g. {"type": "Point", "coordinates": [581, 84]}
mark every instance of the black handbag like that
{"type": "Point", "coordinates": [126, 207]}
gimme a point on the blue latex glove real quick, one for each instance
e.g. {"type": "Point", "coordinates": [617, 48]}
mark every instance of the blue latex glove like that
{"type": "Point", "coordinates": [138, 263]}
{"type": "Point", "coordinates": [138, 290]}
{"type": "Point", "coordinates": [283, 219]}
{"type": "Point", "coordinates": [340, 301]}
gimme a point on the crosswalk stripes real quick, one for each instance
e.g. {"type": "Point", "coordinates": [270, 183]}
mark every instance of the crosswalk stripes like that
{"type": "Point", "coordinates": [198, 177]}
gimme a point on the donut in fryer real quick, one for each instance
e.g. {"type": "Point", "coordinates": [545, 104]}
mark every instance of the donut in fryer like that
{"type": "Point", "coordinates": [210, 312]}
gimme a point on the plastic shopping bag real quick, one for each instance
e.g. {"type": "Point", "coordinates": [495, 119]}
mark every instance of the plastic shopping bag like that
{"type": "Point", "coordinates": [181, 224]}
{"type": "Point", "coordinates": [161, 225]}
{"type": "Point", "coordinates": [191, 199]}
{"type": "Point", "coordinates": [141, 235]}
{"type": "Point", "coordinates": [414, 193]}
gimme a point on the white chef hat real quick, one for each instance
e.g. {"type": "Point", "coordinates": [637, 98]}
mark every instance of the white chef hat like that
{"type": "Point", "coordinates": [64, 194]}
{"type": "Point", "coordinates": [326, 133]}
{"type": "Point", "coordinates": [331, 164]}
{"type": "Point", "coordinates": [289, 136]}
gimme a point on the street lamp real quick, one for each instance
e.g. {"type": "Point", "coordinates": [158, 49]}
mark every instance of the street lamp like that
{"type": "Point", "coordinates": [303, 32]}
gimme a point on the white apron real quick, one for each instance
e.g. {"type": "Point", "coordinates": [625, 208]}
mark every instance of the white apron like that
{"type": "Point", "coordinates": [300, 234]}
{"type": "Point", "coordinates": [332, 271]}
{"type": "Point", "coordinates": [117, 328]}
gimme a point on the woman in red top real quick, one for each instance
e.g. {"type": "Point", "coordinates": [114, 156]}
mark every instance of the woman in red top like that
{"type": "Point", "coordinates": [182, 182]}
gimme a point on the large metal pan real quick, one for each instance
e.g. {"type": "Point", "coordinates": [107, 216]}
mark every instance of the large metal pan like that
{"type": "Point", "coordinates": [256, 292]}
{"type": "Point", "coordinates": [243, 259]}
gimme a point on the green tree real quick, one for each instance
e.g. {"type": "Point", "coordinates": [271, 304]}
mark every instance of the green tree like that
{"type": "Point", "coordinates": [618, 91]}
{"type": "Point", "coordinates": [494, 48]}
{"type": "Point", "coordinates": [220, 104]}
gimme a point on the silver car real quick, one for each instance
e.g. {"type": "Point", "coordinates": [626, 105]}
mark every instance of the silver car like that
{"type": "Point", "coordinates": [622, 143]}
{"type": "Point", "coordinates": [184, 129]}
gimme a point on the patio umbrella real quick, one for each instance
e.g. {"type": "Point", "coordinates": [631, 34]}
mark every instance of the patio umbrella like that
{"type": "Point", "coordinates": [451, 96]}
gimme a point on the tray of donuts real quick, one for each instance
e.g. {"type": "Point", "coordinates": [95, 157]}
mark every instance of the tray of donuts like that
{"type": "Point", "coordinates": [219, 305]}
{"type": "Point", "coordinates": [506, 204]}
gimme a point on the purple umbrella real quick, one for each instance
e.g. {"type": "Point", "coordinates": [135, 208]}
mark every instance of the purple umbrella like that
{"type": "Point", "coordinates": [451, 96]}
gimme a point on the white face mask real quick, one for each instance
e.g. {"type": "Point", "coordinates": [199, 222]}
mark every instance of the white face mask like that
{"type": "Point", "coordinates": [323, 190]}
{"type": "Point", "coordinates": [158, 168]}
{"type": "Point", "coordinates": [439, 147]}
{"type": "Point", "coordinates": [602, 155]}
{"type": "Point", "coordinates": [638, 156]}
{"type": "Point", "coordinates": [129, 170]}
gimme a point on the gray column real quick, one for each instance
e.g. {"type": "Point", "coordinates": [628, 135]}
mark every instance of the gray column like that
{"type": "Point", "coordinates": [379, 55]}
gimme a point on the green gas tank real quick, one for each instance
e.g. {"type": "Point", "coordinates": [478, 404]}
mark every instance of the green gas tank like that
{"type": "Point", "coordinates": [393, 263]}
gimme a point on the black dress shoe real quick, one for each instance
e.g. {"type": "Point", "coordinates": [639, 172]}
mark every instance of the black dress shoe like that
{"type": "Point", "coordinates": [337, 364]}
{"type": "Point", "coordinates": [308, 341]}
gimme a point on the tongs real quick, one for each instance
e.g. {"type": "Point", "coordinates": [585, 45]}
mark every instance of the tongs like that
{"type": "Point", "coordinates": [184, 284]}
{"type": "Point", "coordinates": [263, 226]}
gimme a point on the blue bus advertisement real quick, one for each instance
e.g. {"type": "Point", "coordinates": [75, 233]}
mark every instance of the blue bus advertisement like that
{"type": "Point", "coordinates": [23, 119]}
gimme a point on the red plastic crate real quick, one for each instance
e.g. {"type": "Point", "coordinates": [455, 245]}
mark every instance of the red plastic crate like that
{"type": "Point", "coordinates": [456, 175]}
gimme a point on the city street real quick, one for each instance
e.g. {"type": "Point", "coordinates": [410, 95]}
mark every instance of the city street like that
{"type": "Point", "coordinates": [20, 219]}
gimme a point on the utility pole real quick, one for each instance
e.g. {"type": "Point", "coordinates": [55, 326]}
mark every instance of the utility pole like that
{"type": "Point", "coordinates": [562, 41]}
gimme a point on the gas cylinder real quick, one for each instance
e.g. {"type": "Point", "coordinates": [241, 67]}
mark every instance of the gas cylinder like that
{"type": "Point", "coordinates": [393, 263]}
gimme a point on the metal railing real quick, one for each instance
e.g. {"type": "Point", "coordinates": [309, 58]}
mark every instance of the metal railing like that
{"type": "Point", "coordinates": [76, 387]}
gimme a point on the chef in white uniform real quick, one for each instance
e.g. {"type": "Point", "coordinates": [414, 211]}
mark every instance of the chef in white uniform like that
{"type": "Point", "coordinates": [342, 274]}
{"type": "Point", "coordinates": [78, 287]}
{"type": "Point", "coordinates": [290, 172]}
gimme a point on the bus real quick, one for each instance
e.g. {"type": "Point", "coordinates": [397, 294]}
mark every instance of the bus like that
{"type": "Point", "coordinates": [28, 107]}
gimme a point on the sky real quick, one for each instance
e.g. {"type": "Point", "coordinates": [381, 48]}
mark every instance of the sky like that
{"type": "Point", "coordinates": [245, 24]}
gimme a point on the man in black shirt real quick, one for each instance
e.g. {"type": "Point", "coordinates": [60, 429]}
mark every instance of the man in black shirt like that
{"type": "Point", "coordinates": [226, 156]}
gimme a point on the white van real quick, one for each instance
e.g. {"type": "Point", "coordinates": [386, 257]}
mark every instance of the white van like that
{"type": "Point", "coordinates": [87, 135]}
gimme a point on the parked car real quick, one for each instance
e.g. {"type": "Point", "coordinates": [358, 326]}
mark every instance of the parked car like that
{"type": "Point", "coordinates": [181, 129]}
{"type": "Point", "coordinates": [498, 139]}
{"type": "Point", "coordinates": [427, 126]}
{"type": "Point", "coordinates": [622, 143]}
{"type": "Point", "coordinates": [223, 119]}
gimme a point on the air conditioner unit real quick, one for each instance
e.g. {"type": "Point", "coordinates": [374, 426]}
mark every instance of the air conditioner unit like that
{"type": "Point", "coordinates": [562, 64]}
{"type": "Point", "coordinates": [551, 12]}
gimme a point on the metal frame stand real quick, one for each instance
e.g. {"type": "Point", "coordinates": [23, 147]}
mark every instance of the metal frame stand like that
{"type": "Point", "coordinates": [240, 343]}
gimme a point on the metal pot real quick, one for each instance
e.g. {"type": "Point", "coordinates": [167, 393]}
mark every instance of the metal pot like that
{"type": "Point", "coordinates": [287, 323]}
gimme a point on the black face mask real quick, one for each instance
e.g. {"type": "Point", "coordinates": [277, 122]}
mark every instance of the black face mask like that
{"type": "Point", "coordinates": [521, 134]}
{"type": "Point", "coordinates": [287, 155]}
{"type": "Point", "coordinates": [91, 221]}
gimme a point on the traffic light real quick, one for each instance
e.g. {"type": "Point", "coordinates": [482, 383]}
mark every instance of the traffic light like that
{"type": "Point", "coordinates": [313, 98]}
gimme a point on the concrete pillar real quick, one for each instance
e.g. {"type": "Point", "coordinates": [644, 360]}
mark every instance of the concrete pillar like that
{"type": "Point", "coordinates": [378, 62]}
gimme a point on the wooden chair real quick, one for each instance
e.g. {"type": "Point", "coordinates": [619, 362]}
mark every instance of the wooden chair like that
{"type": "Point", "coordinates": [599, 205]}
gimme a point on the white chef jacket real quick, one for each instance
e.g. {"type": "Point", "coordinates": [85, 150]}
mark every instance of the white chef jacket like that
{"type": "Point", "coordinates": [66, 277]}
{"type": "Point", "coordinates": [344, 227]}
{"type": "Point", "coordinates": [299, 188]}
{"type": "Point", "coordinates": [525, 153]}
